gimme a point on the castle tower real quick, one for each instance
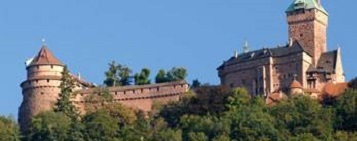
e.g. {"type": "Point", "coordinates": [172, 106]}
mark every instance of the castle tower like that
{"type": "Point", "coordinates": [41, 88]}
{"type": "Point", "coordinates": [296, 88]}
{"type": "Point", "coordinates": [307, 21]}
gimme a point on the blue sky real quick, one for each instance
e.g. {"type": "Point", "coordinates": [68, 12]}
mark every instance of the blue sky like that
{"type": "Point", "coordinates": [196, 34]}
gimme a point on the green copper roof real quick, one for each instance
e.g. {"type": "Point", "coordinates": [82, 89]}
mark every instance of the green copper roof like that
{"type": "Point", "coordinates": [306, 4]}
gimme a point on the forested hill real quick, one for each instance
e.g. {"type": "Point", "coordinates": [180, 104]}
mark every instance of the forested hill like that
{"type": "Point", "coordinates": [208, 114]}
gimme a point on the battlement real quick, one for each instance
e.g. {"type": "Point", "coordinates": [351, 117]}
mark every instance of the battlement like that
{"type": "Point", "coordinates": [137, 97]}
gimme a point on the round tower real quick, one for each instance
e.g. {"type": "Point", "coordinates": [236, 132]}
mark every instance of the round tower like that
{"type": "Point", "coordinates": [296, 88]}
{"type": "Point", "coordinates": [41, 88]}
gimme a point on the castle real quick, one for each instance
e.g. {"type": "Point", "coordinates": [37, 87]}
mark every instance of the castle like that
{"type": "Point", "coordinates": [41, 89]}
{"type": "Point", "coordinates": [303, 66]}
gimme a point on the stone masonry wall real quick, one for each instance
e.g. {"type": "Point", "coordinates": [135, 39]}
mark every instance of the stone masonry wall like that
{"type": "Point", "coordinates": [309, 28]}
{"type": "Point", "coordinates": [244, 74]}
{"type": "Point", "coordinates": [40, 91]}
{"type": "Point", "coordinates": [138, 97]}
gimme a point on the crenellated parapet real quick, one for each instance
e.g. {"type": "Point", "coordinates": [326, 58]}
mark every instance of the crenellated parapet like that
{"type": "Point", "coordinates": [137, 97]}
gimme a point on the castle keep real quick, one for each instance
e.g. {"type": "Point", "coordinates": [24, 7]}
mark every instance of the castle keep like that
{"type": "Point", "coordinates": [302, 66]}
{"type": "Point", "coordinates": [41, 89]}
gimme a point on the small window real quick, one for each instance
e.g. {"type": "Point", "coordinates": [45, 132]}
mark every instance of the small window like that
{"type": "Point", "coordinates": [36, 81]}
{"type": "Point", "coordinates": [42, 93]}
{"type": "Point", "coordinates": [301, 35]}
{"type": "Point", "coordinates": [116, 93]}
{"type": "Point", "coordinates": [158, 88]}
{"type": "Point", "coordinates": [124, 92]}
{"type": "Point", "coordinates": [51, 66]}
{"type": "Point", "coordinates": [142, 90]}
{"type": "Point", "coordinates": [48, 80]}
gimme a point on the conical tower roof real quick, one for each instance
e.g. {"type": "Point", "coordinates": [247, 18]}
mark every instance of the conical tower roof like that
{"type": "Point", "coordinates": [45, 57]}
{"type": "Point", "coordinates": [295, 84]}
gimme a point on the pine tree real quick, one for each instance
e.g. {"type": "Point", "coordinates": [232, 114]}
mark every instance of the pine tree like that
{"type": "Point", "coordinates": [161, 77]}
{"type": "Point", "coordinates": [142, 78]}
{"type": "Point", "coordinates": [64, 103]}
{"type": "Point", "coordinates": [111, 75]}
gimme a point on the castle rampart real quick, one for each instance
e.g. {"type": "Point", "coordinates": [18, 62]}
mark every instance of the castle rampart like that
{"type": "Point", "coordinates": [137, 97]}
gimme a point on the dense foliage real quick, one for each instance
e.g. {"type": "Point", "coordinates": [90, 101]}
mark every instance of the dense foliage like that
{"type": "Point", "coordinates": [9, 130]}
{"type": "Point", "coordinates": [208, 114]}
{"type": "Point", "coordinates": [175, 74]}
{"type": "Point", "coordinates": [117, 75]}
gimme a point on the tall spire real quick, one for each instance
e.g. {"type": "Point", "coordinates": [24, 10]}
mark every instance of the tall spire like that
{"type": "Point", "coordinates": [245, 47]}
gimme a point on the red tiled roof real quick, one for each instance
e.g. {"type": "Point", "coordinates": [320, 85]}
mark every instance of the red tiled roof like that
{"type": "Point", "coordinates": [335, 90]}
{"type": "Point", "coordinates": [45, 57]}
{"type": "Point", "coordinates": [274, 98]}
{"type": "Point", "coordinates": [295, 84]}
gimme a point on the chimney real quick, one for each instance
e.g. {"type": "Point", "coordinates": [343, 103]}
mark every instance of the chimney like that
{"type": "Point", "coordinates": [79, 76]}
{"type": "Point", "coordinates": [235, 54]}
{"type": "Point", "coordinates": [290, 42]}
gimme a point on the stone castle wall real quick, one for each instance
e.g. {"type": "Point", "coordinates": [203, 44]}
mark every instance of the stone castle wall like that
{"type": "Point", "coordinates": [138, 97]}
{"type": "Point", "coordinates": [309, 28]}
{"type": "Point", "coordinates": [244, 74]}
{"type": "Point", "coordinates": [40, 91]}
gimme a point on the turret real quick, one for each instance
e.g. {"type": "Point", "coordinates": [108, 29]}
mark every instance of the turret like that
{"type": "Point", "coordinates": [41, 88]}
{"type": "Point", "coordinates": [308, 21]}
{"type": "Point", "coordinates": [296, 88]}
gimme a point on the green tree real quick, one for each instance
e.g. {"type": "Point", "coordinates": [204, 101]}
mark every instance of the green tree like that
{"type": "Point", "coordinates": [164, 135]}
{"type": "Point", "coordinates": [176, 74]}
{"type": "Point", "coordinates": [346, 110]}
{"type": "Point", "coordinates": [9, 130]}
{"type": "Point", "coordinates": [195, 84]}
{"type": "Point", "coordinates": [197, 136]}
{"type": "Point", "coordinates": [250, 120]}
{"type": "Point", "coordinates": [100, 126]}
{"type": "Point", "coordinates": [353, 84]}
{"type": "Point", "coordinates": [64, 103]}
{"type": "Point", "coordinates": [208, 100]}
{"type": "Point", "coordinates": [304, 137]}
{"type": "Point", "coordinates": [300, 115]}
{"type": "Point", "coordinates": [49, 126]}
{"type": "Point", "coordinates": [142, 78]}
{"type": "Point", "coordinates": [222, 137]}
{"type": "Point", "coordinates": [161, 77]}
{"type": "Point", "coordinates": [237, 99]}
{"type": "Point", "coordinates": [209, 125]}
{"type": "Point", "coordinates": [117, 75]}
{"type": "Point", "coordinates": [124, 74]}
{"type": "Point", "coordinates": [112, 78]}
